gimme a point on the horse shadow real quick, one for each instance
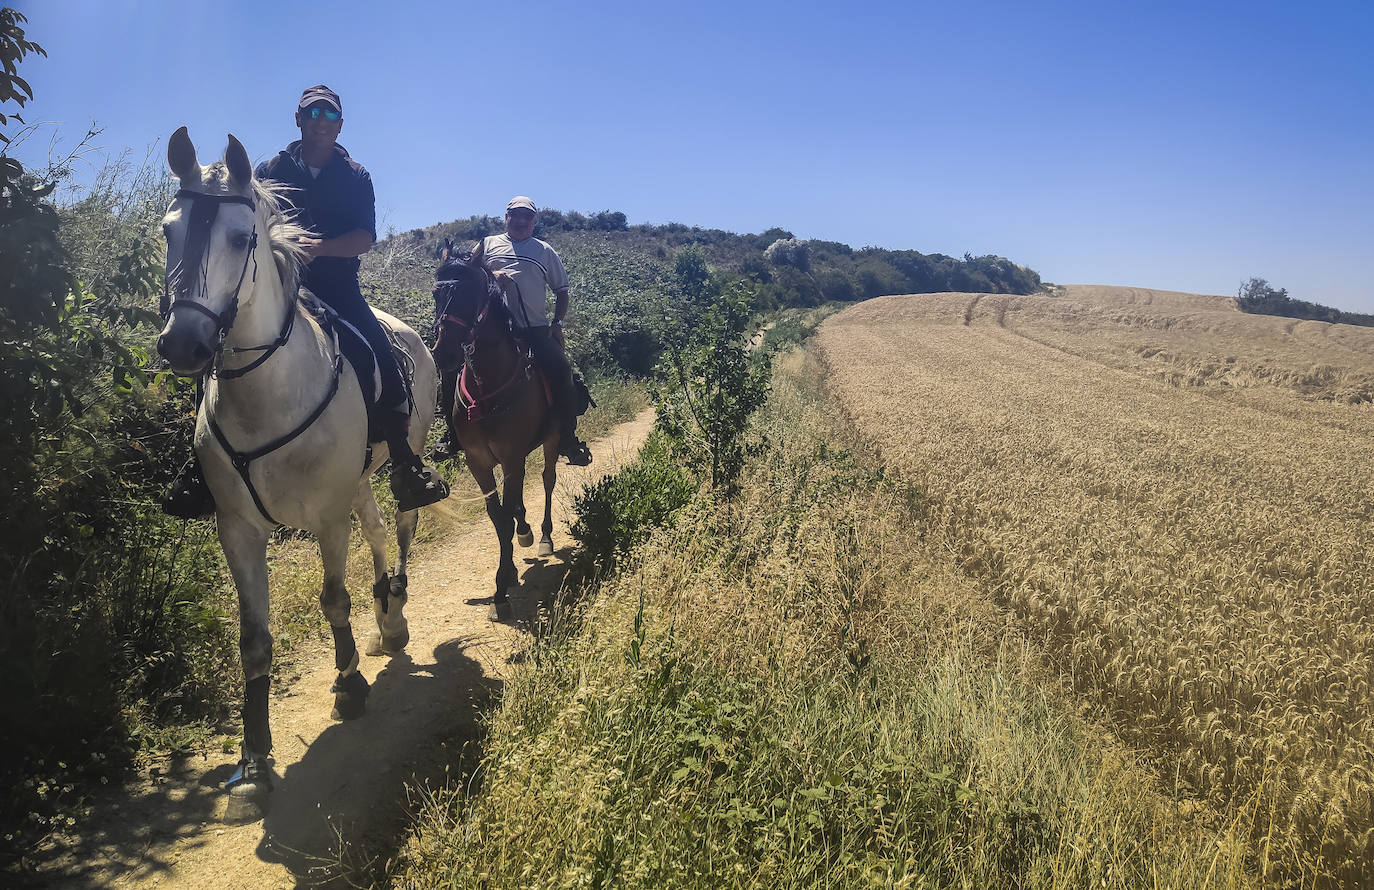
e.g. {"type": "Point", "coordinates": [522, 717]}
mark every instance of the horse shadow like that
{"type": "Point", "coordinates": [338, 815]}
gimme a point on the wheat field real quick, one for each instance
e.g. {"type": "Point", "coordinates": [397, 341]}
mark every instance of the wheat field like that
{"type": "Point", "coordinates": [1175, 499]}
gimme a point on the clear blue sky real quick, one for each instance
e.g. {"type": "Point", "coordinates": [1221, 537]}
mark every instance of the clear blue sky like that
{"type": "Point", "coordinates": [1172, 145]}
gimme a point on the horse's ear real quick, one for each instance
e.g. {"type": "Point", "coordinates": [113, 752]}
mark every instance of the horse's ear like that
{"type": "Point", "coordinates": [447, 251]}
{"type": "Point", "coordinates": [240, 169]}
{"type": "Point", "coordinates": [181, 157]}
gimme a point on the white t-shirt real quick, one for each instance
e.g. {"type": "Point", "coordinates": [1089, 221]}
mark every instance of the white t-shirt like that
{"type": "Point", "coordinates": [534, 266]}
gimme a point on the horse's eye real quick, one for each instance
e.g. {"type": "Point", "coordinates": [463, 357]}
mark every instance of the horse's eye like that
{"type": "Point", "coordinates": [239, 240]}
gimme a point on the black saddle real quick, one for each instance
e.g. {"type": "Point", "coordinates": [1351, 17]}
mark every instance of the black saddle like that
{"type": "Point", "coordinates": [359, 354]}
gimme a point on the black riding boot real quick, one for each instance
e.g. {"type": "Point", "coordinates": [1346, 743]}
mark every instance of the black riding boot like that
{"type": "Point", "coordinates": [189, 497]}
{"type": "Point", "coordinates": [413, 483]}
{"type": "Point", "coordinates": [448, 447]}
{"type": "Point", "coordinates": [571, 447]}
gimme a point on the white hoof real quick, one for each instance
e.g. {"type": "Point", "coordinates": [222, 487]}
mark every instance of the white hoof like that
{"type": "Point", "coordinates": [394, 644]}
{"type": "Point", "coordinates": [374, 644]}
{"type": "Point", "coordinates": [525, 539]}
{"type": "Point", "coordinates": [546, 546]}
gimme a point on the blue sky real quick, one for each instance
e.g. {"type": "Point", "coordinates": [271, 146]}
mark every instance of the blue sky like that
{"type": "Point", "coordinates": [1184, 146]}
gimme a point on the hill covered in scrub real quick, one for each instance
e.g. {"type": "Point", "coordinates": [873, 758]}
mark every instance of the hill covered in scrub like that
{"type": "Point", "coordinates": [621, 274]}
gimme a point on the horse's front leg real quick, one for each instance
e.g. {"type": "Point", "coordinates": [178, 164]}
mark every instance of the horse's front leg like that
{"type": "Point", "coordinates": [504, 524]}
{"type": "Point", "coordinates": [514, 497]}
{"type": "Point", "coordinates": [550, 477]}
{"type": "Point", "coordinates": [350, 688]}
{"type": "Point", "coordinates": [245, 549]}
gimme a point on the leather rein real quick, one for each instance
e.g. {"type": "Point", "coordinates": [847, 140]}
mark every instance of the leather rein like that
{"type": "Point", "coordinates": [478, 404]}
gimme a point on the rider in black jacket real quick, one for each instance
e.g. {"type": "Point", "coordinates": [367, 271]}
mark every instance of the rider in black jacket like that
{"type": "Point", "coordinates": [331, 195]}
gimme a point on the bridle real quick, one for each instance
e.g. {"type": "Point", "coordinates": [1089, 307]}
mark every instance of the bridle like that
{"type": "Point", "coordinates": [484, 394]}
{"type": "Point", "coordinates": [446, 316]}
{"type": "Point", "coordinates": [195, 256]}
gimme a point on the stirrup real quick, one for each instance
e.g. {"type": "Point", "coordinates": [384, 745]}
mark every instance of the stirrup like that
{"type": "Point", "coordinates": [447, 448]}
{"type": "Point", "coordinates": [417, 486]}
{"type": "Point", "coordinates": [189, 496]}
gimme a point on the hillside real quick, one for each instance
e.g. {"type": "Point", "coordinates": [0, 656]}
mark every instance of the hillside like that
{"type": "Point", "coordinates": [621, 273]}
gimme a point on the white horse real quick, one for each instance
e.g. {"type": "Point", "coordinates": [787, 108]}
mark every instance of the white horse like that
{"type": "Point", "coordinates": [282, 429]}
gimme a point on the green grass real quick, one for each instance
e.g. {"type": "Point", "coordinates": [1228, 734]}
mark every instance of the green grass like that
{"type": "Point", "coordinates": [790, 691]}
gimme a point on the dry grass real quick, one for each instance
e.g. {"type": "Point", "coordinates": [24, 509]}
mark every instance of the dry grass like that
{"type": "Point", "coordinates": [794, 690]}
{"type": "Point", "coordinates": [1176, 498]}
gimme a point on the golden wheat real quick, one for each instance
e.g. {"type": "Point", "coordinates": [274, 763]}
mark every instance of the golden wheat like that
{"type": "Point", "coordinates": [1176, 498]}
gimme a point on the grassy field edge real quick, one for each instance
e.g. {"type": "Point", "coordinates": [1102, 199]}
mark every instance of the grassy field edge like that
{"type": "Point", "coordinates": [791, 689]}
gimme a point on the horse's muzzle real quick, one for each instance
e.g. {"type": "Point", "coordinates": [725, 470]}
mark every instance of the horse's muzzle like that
{"type": "Point", "coordinates": [189, 356]}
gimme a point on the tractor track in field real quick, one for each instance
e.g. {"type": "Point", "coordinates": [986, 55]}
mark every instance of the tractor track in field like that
{"type": "Point", "coordinates": [343, 786]}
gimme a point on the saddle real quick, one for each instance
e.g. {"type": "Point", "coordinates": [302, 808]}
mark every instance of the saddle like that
{"type": "Point", "coordinates": [359, 354]}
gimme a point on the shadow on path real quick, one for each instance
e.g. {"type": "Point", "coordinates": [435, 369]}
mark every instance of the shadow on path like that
{"type": "Point", "coordinates": [347, 792]}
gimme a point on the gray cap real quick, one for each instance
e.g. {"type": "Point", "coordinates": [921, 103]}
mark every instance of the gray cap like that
{"type": "Point", "coordinates": [521, 201]}
{"type": "Point", "coordinates": [320, 93]}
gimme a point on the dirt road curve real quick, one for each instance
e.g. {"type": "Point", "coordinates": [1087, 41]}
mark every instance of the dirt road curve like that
{"type": "Point", "coordinates": [346, 779]}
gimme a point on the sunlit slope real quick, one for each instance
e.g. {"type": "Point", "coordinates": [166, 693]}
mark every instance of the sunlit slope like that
{"type": "Point", "coordinates": [1175, 496]}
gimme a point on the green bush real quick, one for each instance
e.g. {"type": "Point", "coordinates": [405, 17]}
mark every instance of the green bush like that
{"type": "Point", "coordinates": [619, 512]}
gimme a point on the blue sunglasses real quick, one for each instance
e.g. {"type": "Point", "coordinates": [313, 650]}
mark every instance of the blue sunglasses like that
{"type": "Point", "coordinates": [328, 114]}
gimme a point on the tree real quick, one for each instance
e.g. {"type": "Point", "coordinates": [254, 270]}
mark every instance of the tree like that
{"type": "Point", "coordinates": [789, 252]}
{"type": "Point", "coordinates": [707, 385]}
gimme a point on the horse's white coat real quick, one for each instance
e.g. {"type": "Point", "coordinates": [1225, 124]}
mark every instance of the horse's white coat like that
{"type": "Point", "coordinates": [314, 482]}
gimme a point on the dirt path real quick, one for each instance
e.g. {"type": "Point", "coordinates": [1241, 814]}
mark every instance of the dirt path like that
{"type": "Point", "coordinates": [346, 779]}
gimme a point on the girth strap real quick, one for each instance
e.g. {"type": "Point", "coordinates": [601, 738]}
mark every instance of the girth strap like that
{"type": "Point", "coordinates": [242, 459]}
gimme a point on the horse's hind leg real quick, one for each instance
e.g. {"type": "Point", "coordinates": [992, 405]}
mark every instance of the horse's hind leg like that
{"type": "Point", "coordinates": [245, 549]}
{"type": "Point", "coordinates": [391, 634]}
{"type": "Point", "coordinates": [550, 477]}
{"type": "Point", "coordinates": [350, 688]}
{"type": "Point", "coordinates": [514, 498]}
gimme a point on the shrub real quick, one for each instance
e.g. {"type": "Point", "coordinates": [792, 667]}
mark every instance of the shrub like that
{"type": "Point", "coordinates": [619, 512]}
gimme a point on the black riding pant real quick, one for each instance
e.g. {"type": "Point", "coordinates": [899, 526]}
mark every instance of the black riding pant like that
{"type": "Point", "coordinates": [345, 298]}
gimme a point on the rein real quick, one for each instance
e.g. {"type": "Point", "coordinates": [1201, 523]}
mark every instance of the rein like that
{"type": "Point", "coordinates": [478, 405]}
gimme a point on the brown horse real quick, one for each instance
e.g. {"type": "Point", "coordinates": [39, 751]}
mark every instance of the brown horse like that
{"type": "Point", "coordinates": [501, 412]}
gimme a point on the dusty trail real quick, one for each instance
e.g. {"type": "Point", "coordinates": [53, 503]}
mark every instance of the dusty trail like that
{"type": "Point", "coordinates": [347, 779]}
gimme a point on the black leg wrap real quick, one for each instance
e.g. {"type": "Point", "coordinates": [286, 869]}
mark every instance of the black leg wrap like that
{"type": "Point", "coordinates": [380, 588]}
{"type": "Point", "coordinates": [344, 648]}
{"type": "Point", "coordinates": [257, 735]}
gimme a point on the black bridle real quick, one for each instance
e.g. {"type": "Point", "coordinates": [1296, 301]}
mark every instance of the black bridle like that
{"type": "Point", "coordinates": [453, 287]}
{"type": "Point", "coordinates": [195, 257]}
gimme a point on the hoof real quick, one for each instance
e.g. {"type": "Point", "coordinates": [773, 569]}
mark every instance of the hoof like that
{"type": "Point", "coordinates": [546, 546]}
{"type": "Point", "coordinates": [396, 644]}
{"type": "Point", "coordinates": [502, 611]}
{"type": "Point", "coordinates": [374, 644]}
{"type": "Point", "coordinates": [525, 539]}
{"type": "Point", "coordinates": [250, 791]}
{"type": "Point", "coordinates": [350, 697]}
{"type": "Point", "coordinates": [246, 805]}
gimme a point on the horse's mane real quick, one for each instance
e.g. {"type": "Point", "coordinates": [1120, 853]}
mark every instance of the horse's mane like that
{"type": "Point", "coordinates": [282, 234]}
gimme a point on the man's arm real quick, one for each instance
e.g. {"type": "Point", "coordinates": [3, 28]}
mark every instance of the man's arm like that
{"type": "Point", "coordinates": [349, 244]}
{"type": "Point", "coordinates": [560, 312]}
